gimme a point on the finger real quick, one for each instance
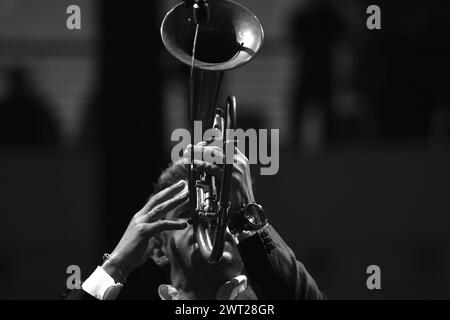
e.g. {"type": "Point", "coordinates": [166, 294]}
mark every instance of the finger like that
{"type": "Point", "coordinates": [238, 156]}
{"type": "Point", "coordinates": [163, 195]}
{"type": "Point", "coordinates": [211, 154]}
{"type": "Point", "coordinates": [180, 209]}
{"type": "Point", "coordinates": [162, 225]}
{"type": "Point", "coordinates": [166, 225]}
{"type": "Point", "coordinates": [201, 166]}
{"type": "Point", "coordinates": [213, 137]}
{"type": "Point", "coordinates": [217, 143]}
{"type": "Point", "coordinates": [209, 168]}
{"type": "Point", "coordinates": [199, 150]}
{"type": "Point", "coordinates": [216, 154]}
{"type": "Point", "coordinates": [163, 208]}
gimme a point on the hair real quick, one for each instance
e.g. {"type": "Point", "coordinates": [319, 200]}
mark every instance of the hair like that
{"type": "Point", "coordinates": [175, 172]}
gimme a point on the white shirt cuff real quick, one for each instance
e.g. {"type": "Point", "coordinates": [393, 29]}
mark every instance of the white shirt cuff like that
{"type": "Point", "coordinates": [99, 283]}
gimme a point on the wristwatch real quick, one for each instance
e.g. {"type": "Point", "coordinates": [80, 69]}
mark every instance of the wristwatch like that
{"type": "Point", "coordinates": [251, 217]}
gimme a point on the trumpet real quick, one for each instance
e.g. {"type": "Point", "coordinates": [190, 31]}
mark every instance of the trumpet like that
{"type": "Point", "coordinates": [211, 37]}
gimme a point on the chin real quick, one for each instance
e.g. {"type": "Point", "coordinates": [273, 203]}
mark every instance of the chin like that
{"type": "Point", "coordinates": [230, 263]}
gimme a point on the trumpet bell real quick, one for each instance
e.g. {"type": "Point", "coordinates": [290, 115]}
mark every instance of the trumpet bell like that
{"type": "Point", "coordinates": [232, 36]}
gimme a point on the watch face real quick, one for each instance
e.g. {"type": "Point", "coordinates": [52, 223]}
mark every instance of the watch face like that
{"type": "Point", "coordinates": [255, 215]}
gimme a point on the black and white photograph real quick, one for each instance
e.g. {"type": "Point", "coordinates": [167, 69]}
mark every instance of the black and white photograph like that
{"type": "Point", "coordinates": [224, 150]}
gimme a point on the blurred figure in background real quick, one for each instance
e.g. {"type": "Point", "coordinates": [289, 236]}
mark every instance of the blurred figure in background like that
{"type": "Point", "coordinates": [316, 27]}
{"type": "Point", "coordinates": [403, 70]}
{"type": "Point", "coordinates": [24, 118]}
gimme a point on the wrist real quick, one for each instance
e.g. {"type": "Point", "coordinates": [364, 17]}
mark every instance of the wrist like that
{"type": "Point", "coordinates": [243, 235]}
{"type": "Point", "coordinates": [250, 218]}
{"type": "Point", "coordinates": [111, 270]}
{"type": "Point", "coordinates": [244, 198]}
{"type": "Point", "coordinates": [114, 269]}
{"type": "Point", "coordinates": [122, 260]}
{"type": "Point", "coordinates": [249, 199]}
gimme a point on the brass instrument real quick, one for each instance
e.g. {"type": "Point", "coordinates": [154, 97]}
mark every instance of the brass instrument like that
{"type": "Point", "coordinates": [211, 37]}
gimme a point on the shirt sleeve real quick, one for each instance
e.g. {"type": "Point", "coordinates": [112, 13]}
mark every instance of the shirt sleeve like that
{"type": "Point", "coordinates": [101, 285]}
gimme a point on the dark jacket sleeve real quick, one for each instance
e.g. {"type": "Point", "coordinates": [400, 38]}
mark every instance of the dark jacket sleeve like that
{"type": "Point", "coordinates": [77, 294]}
{"type": "Point", "coordinates": [273, 270]}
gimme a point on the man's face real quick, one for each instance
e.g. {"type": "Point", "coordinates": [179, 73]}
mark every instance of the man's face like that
{"type": "Point", "coordinates": [184, 255]}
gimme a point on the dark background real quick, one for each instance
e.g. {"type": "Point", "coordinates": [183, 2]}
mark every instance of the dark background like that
{"type": "Point", "coordinates": [86, 117]}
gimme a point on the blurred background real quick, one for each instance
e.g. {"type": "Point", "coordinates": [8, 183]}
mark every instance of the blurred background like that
{"type": "Point", "coordinates": [364, 118]}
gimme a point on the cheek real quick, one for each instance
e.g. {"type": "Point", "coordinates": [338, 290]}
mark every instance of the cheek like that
{"type": "Point", "coordinates": [231, 253]}
{"type": "Point", "coordinates": [181, 242]}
